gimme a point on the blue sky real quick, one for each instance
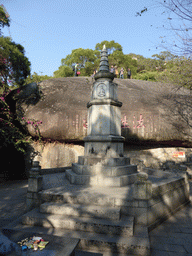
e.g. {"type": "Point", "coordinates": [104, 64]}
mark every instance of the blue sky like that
{"type": "Point", "coordinates": [50, 29]}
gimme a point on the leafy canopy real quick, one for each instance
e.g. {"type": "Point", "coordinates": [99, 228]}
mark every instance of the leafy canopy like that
{"type": "Point", "coordinates": [35, 78]}
{"type": "Point", "coordinates": [80, 56]}
{"type": "Point", "coordinates": [111, 46]}
{"type": "Point", "coordinates": [4, 17]}
{"type": "Point", "coordinates": [64, 71]}
{"type": "Point", "coordinates": [14, 65]}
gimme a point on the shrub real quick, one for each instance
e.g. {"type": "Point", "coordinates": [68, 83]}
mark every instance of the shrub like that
{"type": "Point", "coordinates": [64, 71]}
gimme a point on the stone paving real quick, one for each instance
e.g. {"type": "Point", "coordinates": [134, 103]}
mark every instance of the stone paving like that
{"type": "Point", "coordinates": [173, 237]}
{"type": "Point", "coordinates": [12, 200]}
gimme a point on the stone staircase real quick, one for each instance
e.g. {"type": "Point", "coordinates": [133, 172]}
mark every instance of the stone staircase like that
{"type": "Point", "coordinates": [100, 226]}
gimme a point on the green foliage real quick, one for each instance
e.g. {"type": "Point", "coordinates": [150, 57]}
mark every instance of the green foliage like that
{"type": "Point", "coordinates": [36, 78]}
{"type": "Point", "coordinates": [80, 56]}
{"type": "Point", "coordinates": [161, 67]}
{"type": "Point", "coordinates": [4, 17]}
{"type": "Point", "coordinates": [88, 70]}
{"type": "Point", "coordinates": [111, 46]}
{"type": "Point", "coordinates": [145, 75]}
{"type": "Point", "coordinates": [117, 58]}
{"type": "Point", "coordinates": [64, 71]}
{"type": "Point", "coordinates": [14, 69]}
{"type": "Point", "coordinates": [178, 72]}
{"type": "Point", "coordinates": [14, 65]}
{"type": "Point", "coordinates": [164, 56]}
{"type": "Point", "coordinates": [144, 63]}
{"type": "Point", "coordinates": [10, 135]}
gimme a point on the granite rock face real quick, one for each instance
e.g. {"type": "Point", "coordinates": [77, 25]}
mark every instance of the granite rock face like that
{"type": "Point", "coordinates": [150, 111]}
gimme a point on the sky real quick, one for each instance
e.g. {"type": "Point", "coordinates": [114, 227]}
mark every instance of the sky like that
{"type": "Point", "coordinates": [50, 29]}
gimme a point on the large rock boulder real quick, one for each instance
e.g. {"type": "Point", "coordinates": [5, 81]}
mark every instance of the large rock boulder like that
{"type": "Point", "coordinates": [150, 111]}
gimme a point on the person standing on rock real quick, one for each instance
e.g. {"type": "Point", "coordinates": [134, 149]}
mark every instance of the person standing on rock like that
{"type": "Point", "coordinates": [129, 73]}
{"type": "Point", "coordinates": [121, 73]}
{"type": "Point", "coordinates": [116, 72]}
{"type": "Point", "coordinates": [76, 68]}
{"type": "Point", "coordinates": [112, 70]}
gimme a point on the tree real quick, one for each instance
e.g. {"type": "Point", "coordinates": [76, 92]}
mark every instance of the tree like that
{"type": "Point", "coordinates": [36, 78]}
{"type": "Point", "coordinates": [111, 46]}
{"type": "Point", "coordinates": [178, 72]}
{"type": "Point", "coordinates": [89, 68]}
{"type": "Point", "coordinates": [130, 63]}
{"type": "Point", "coordinates": [164, 56]}
{"type": "Point", "coordinates": [117, 58]}
{"type": "Point", "coordinates": [63, 71]}
{"type": "Point", "coordinates": [144, 64]}
{"type": "Point", "coordinates": [4, 17]}
{"type": "Point", "coordinates": [80, 56]}
{"type": "Point", "coordinates": [14, 68]}
{"type": "Point", "coordinates": [14, 65]}
{"type": "Point", "coordinates": [181, 11]}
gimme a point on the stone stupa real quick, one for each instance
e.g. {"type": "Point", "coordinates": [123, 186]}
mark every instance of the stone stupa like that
{"type": "Point", "coordinates": [103, 162]}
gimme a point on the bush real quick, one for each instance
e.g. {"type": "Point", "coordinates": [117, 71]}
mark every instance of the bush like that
{"type": "Point", "coordinates": [64, 71]}
{"type": "Point", "coordinates": [147, 76]}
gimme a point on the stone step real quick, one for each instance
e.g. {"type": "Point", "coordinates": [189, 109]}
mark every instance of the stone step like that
{"type": "Point", "coordinates": [109, 246]}
{"type": "Point", "coordinates": [111, 171]}
{"type": "Point", "coordinates": [100, 243]}
{"type": "Point", "coordinates": [96, 195]}
{"type": "Point", "coordinates": [99, 180]}
{"type": "Point", "coordinates": [122, 227]}
{"type": "Point", "coordinates": [92, 160]}
{"type": "Point", "coordinates": [77, 210]}
{"type": "Point", "coordinates": [77, 179]}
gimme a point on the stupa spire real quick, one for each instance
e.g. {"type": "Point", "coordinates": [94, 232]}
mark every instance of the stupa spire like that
{"type": "Point", "coordinates": [104, 66]}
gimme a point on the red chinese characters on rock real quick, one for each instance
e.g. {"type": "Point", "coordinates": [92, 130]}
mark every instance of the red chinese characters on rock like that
{"type": "Point", "coordinates": [124, 123]}
{"type": "Point", "coordinates": [85, 124]}
{"type": "Point", "coordinates": [141, 122]}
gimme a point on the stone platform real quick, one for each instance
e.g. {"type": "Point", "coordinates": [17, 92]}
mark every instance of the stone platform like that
{"type": "Point", "coordinates": [92, 215]}
{"type": "Point", "coordinates": [108, 220]}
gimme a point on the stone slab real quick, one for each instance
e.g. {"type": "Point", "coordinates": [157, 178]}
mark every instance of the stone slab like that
{"type": "Point", "coordinates": [132, 245]}
{"type": "Point", "coordinates": [54, 180]}
{"type": "Point", "coordinates": [100, 180]}
{"type": "Point", "coordinates": [77, 179]}
{"type": "Point", "coordinates": [123, 227]}
{"type": "Point", "coordinates": [92, 160]}
{"type": "Point", "coordinates": [104, 170]}
{"type": "Point", "coordinates": [108, 246]}
{"type": "Point", "coordinates": [57, 246]}
{"type": "Point", "coordinates": [77, 210]}
{"type": "Point", "coordinates": [97, 195]}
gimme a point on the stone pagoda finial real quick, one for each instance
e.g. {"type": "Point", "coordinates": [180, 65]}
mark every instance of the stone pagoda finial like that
{"type": "Point", "coordinates": [104, 66]}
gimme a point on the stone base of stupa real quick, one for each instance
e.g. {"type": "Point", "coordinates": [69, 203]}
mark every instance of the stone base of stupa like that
{"type": "Point", "coordinates": [103, 164]}
{"type": "Point", "coordinates": [102, 171]}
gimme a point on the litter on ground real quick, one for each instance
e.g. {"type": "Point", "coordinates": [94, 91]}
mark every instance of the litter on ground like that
{"type": "Point", "coordinates": [34, 243]}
